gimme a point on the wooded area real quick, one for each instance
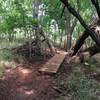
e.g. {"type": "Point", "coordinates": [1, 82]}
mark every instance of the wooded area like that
{"type": "Point", "coordinates": [49, 49]}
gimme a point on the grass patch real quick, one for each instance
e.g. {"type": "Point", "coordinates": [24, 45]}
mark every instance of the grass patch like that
{"type": "Point", "coordinates": [91, 64]}
{"type": "Point", "coordinates": [83, 88]}
{"type": "Point", "coordinates": [6, 60]}
{"type": "Point", "coordinates": [6, 55]}
{"type": "Point", "coordinates": [78, 86]}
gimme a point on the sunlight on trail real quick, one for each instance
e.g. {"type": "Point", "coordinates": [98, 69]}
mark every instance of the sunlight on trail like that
{"type": "Point", "coordinates": [25, 71]}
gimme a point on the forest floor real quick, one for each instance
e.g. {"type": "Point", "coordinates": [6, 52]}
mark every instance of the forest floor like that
{"type": "Point", "coordinates": [72, 82]}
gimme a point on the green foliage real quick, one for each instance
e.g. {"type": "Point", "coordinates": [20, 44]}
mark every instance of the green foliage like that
{"type": "Point", "coordinates": [6, 55]}
{"type": "Point", "coordinates": [83, 88]}
{"type": "Point", "coordinates": [76, 85]}
{"type": "Point", "coordinates": [6, 61]}
{"type": "Point", "coordinates": [13, 16]}
{"type": "Point", "coordinates": [18, 15]}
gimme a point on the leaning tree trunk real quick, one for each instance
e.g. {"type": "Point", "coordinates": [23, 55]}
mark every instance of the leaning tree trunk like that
{"type": "Point", "coordinates": [89, 30]}
{"type": "Point", "coordinates": [92, 33]}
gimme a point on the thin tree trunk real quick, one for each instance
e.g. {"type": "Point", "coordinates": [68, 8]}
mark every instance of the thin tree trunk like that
{"type": "Point", "coordinates": [61, 38]}
{"type": "Point", "coordinates": [69, 35]}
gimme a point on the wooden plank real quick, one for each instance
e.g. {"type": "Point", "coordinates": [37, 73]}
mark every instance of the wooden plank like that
{"type": "Point", "coordinates": [54, 63]}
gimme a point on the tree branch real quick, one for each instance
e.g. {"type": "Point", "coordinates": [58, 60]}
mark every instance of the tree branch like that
{"type": "Point", "coordinates": [93, 35]}
{"type": "Point", "coordinates": [63, 11]}
{"type": "Point", "coordinates": [96, 4]}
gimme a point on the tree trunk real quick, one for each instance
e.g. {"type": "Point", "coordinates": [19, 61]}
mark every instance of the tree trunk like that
{"type": "Point", "coordinates": [49, 43]}
{"type": "Point", "coordinates": [69, 40]}
{"type": "Point", "coordinates": [61, 37]}
{"type": "Point", "coordinates": [67, 28]}
{"type": "Point", "coordinates": [69, 35]}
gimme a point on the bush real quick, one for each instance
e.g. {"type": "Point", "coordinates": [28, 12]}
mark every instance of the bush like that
{"type": "Point", "coordinates": [83, 88]}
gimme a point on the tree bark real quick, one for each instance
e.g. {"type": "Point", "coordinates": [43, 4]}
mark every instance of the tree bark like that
{"type": "Point", "coordinates": [69, 35]}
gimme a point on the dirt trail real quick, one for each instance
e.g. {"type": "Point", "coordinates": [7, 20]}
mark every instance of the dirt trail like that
{"type": "Point", "coordinates": [27, 84]}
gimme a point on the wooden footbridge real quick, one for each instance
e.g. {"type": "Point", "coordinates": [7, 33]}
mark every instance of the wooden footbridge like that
{"type": "Point", "coordinates": [54, 63]}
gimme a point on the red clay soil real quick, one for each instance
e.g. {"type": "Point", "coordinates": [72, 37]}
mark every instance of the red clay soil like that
{"type": "Point", "coordinates": [27, 84]}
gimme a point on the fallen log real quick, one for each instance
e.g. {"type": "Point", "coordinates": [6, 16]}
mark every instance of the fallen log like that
{"type": "Point", "coordinates": [83, 55]}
